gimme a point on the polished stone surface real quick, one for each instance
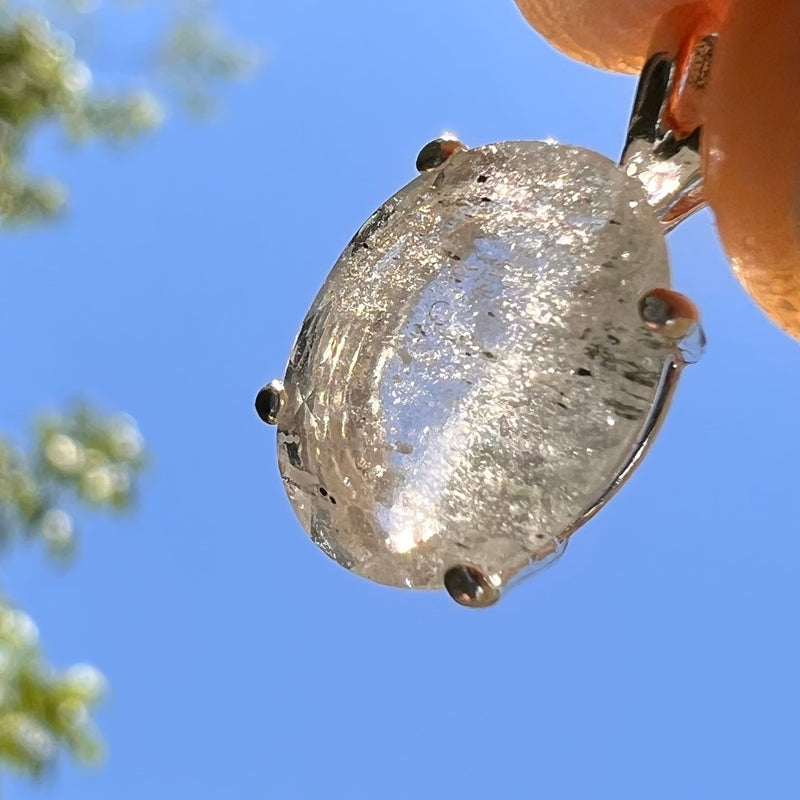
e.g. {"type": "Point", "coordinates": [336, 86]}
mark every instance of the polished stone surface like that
{"type": "Point", "coordinates": [474, 373]}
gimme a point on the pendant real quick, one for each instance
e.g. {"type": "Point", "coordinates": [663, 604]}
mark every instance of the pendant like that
{"type": "Point", "coordinates": [491, 356]}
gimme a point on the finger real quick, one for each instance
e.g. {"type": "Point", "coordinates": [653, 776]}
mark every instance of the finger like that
{"type": "Point", "coordinates": [751, 146]}
{"type": "Point", "coordinates": [613, 35]}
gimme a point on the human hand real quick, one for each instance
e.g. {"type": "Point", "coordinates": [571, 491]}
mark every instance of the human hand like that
{"type": "Point", "coordinates": [749, 114]}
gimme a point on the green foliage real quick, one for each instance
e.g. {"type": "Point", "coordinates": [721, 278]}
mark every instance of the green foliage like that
{"type": "Point", "coordinates": [43, 82]}
{"type": "Point", "coordinates": [41, 710]}
{"type": "Point", "coordinates": [76, 458]}
{"type": "Point", "coordinates": [196, 54]}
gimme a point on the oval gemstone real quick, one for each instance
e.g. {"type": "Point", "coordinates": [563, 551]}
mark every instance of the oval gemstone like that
{"type": "Point", "coordinates": [474, 373]}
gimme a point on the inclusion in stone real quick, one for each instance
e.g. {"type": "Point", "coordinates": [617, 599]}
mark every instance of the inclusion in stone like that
{"type": "Point", "coordinates": [474, 378]}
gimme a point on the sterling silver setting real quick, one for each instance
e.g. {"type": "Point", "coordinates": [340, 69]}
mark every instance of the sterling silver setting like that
{"type": "Point", "coordinates": [491, 356]}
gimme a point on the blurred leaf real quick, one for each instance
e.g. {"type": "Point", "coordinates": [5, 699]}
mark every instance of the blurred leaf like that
{"type": "Point", "coordinates": [115, 117]}
{"type": "Point", "coordinates": [41, 710]}
{"type": "Point", "coordinates": [43, 82]}
{"type": "Point", "coordinates": [197, 54]}
{"type": "Point", "coordinates": [79, 459]}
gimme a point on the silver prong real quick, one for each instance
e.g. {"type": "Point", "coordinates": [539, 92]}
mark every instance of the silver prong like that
{"type": "Point", "coordinates": [435, 153]}
{"type": "Point", "coordinates": [670, 313]}
{"type": "Point", "coordinates": [269, 402]}
{"type": "Point", "coordinates": [468, 586]}
{"type": "Point", "coordinates": [675, 317]}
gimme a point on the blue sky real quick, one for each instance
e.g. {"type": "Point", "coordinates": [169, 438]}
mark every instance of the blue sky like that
{"type": "Point", "coordinates": [658, 658]}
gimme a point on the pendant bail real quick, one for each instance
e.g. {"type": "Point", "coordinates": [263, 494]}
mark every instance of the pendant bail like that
{"type": "Point", "coordinates": [668, 164]}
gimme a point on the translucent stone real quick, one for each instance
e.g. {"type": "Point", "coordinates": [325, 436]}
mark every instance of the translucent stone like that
{"type": "Point", "coordinates": [474, 375]}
